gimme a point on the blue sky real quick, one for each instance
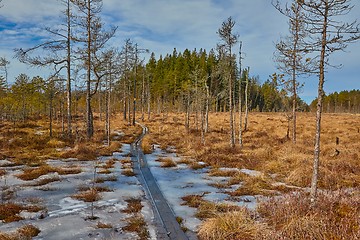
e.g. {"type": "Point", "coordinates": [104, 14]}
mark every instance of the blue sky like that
{"type": "Point", "coordinates": [162, 25]}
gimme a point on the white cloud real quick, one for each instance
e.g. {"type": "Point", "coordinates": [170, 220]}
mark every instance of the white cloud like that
{"type": "Point", "coordinates": [162, 25]}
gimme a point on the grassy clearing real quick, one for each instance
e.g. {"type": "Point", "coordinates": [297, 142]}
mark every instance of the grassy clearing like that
{"type": "Point", "coordinates": [266, 148]}
{"type": "Point", "coordinates": [286, 167]}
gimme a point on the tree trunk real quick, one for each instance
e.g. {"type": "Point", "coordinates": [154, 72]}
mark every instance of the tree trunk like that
{"type": "Point", "coordinates": [314, 181]}
{"type": "Point", "coordinates": [246, 100]}
{"type": "Point", "coordinates": [207, 110]}
{"type": "Point", "coordinates": [68, 61]}
{"type": "Point", "coordinates": [124, 100]}
{"type": "Point", "coordinates": [89, 116]}
{"type": "Point", "coordinates": [240, 98]}
{"type": "Point", "coordinates": [148, 99]}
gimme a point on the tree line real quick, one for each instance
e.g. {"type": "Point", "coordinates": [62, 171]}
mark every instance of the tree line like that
{"type": "Point", "coordinates": [194, 82]}
{"type": "Point", "coordinates": [339, 102]}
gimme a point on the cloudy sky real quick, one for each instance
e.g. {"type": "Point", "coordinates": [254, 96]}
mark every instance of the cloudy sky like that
{"type": "Point", "coordinates": [162, 25]}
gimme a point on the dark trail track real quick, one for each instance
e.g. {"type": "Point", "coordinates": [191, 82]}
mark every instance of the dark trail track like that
{"type": "Point", "coordinates": [167, 226]}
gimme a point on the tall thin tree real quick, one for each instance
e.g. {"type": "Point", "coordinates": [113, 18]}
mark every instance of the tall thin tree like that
{"type": "Point", "coordinates": [329, 34]}
{"type": "Point", "coordinates": [230, 39]}
{"type": "Point", "coordinates": [291, 52]}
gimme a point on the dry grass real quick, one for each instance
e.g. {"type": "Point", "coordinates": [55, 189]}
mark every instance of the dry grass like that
{"type": "Point", "coordinates": [34, 173]}
{"type": "Point", "coordinates": [137, 224]}
{"type": "Point", "coordinates": [231, 225]}
{"type": "Point", "coordinates": [26, 232]}
{"type": "Point", "coordinates": [9, 212]}
{"type": "Point", "coordinates": [133, 206]}
{"type": "Point", "coordinates": [91, 195]}
{"type": "Point", "coordinates": [128, 172]}
{"type": "Point", "coordinates": [111, 178]}
{"type": "Point", "coordinates": [266, 148]}
{"type": "Point", "coordinates": [103, 225]}
{"type": "Point", "coordinates": [147, 144]}
{"type": "Point", "coordinates": [335, 216]}
{"type": "Point", "coordinates": [167, 162]}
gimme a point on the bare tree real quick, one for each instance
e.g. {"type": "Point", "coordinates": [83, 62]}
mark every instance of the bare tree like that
{"type": "Point", "coordinates": [240, 96]}
{"type": "Point", "coordinates": [328, 35]}
{"type": "Point", "coordinates": [246, 99]}
{"type": "Point", "coordinates": [93, 37]}
{"type": "Point", "coordinates": [58, 54]}
{"type": "Point", "coordinates": [229, 38]}
{"type": "Point", "coordinates": [290, 53]}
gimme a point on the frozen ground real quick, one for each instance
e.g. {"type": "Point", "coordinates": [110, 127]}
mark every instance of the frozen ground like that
{"type": "Point", "coordinates": [67, 218]}
{"type": "Point", "coordinates": [177, 182]}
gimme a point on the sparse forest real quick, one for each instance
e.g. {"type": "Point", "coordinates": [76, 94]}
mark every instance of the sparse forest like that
{"type": "Point", "coordinates": [256, 143]}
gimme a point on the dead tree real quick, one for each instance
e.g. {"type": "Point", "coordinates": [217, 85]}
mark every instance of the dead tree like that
{"type": "Point", "coordinates": [229, 38]}
{"type": "Point", "coordinates": [329, 34]}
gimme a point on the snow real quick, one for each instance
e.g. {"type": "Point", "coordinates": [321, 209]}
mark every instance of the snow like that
{"type": "Point", "coordinates": [67, 218]}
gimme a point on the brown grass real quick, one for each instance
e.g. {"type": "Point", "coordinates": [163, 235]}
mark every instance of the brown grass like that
{"type": "Point", "coordinates": [147, 144]}
{"type": "Point", "coordinates": [266, 148]}
{"type": "Point", "coordinates": [133, 206]}
{"type": "Point", "coordinates": [26, 232]}
{"type": "Point", "coordinates": [231, 225]}
{"type": "Point", "coordinates": [111, 178]}
{"type": "Point", "coordinates": [167, 162]}
{"type": "Point", "coordinates": [335, 216]}
{"type": "Point", "coordinates": [91, 195]}
{"type": "Point", "coordinates": [34, 173]}
{"type": "Point", "coordinates": [9, 212]}
{"type": "Point", "coordinates": [128, 172]}
{"type": "Point", "coordinates": [137, 224]}
{"type": "Point", "coordinates": [103, 225]}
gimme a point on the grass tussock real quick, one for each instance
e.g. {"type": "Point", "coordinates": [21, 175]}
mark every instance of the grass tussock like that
{"type": "Point", "coordinates": [133, 206]}
{"type": "Point", "coordinates": [111, 178]}
{"type": "Point", "coordinates": [334, 216]}
{"type": "Point", "coordinates": [9, 212]}
{"type": "Point", "coordinates": [231, 225]}
{"type": "Point", "coordinates": [147, 144]}
{"type": "Point", "coordinates": [128, 172]}
{"type": "Point", "coordinates": [91, 195]}
{"type": "Point", "coordinates": [136, 222]}
{"type": "Point", "coordinates": [138, 225]}
{"type": "Point", "coordinates": [26, 232]}
{"type": "Point", "coordinates": [167, 162]}
{"type": "Point", "coordinates": [82, 151]}
{"type": "Point", "coordinates": [102, 225]}
{"type": "Point", "coordinates": [34, 173]}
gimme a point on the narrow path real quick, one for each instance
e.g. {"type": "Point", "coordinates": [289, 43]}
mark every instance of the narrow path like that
{"type": "Point", "coordinates": [167, 227]}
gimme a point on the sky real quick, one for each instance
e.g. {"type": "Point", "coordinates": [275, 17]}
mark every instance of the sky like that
{"type": "Point", "coordinates": [162, 25]}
